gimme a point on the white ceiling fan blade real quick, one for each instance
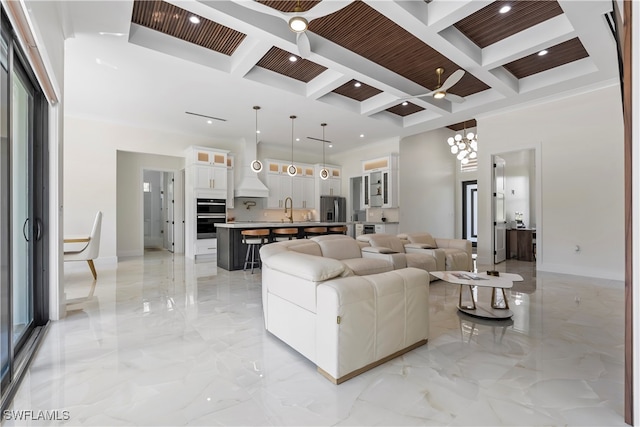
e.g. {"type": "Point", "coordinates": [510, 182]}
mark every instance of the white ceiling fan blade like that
{"type": "Point", "coordinates": [259, 7]}
{"type": "Point", "coordinates": [324, 8]}
{"type": "Point", "coordinates": [304, 47]}
{"type": "Point", "coordinates": [454, 98]}
{"type": "Point", "coordinates": [452, 79]}
{"type": "Point", "coordinates": [422, 95]}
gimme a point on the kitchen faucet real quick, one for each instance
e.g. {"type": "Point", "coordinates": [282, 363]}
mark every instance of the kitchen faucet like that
{"type": "Point", "coordinates": [290, 200]}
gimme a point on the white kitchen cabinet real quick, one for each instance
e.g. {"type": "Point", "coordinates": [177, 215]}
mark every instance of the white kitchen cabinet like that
{"type": "Point", "coordinates": [387, 228]}
{"type": "Point", "coordinates": [333, 185]}
{"type": "Point", "coordinates": [208, 174]}
{"type": "Point", "coordinates": [303, 192]}
{"type": "Point", "coordinates": [207, 156]}
{"type": "Point", "coordinates": [211, 178]}
{"type": "Point", "coordinates": [281, 185]}
{"type": "Point", "coordinates": [380, 182]}
{"type": "Point", "coordinates": [276, 183]}
{"type": "Point", "coordinates": [206, 247]}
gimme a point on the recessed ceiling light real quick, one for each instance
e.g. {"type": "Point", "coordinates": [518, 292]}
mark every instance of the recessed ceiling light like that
{"type": "Point", "coordinates": [543, 52]}
{"type": "Point", "coordinates": [405, 103]}
{"type": "Point", "coordinates": [209, 121]}
{"type": "Point", "coordinates": [194, 19]}
{"type": "Point", "coordinates": [293, 58]}
{"type": "Point", "coordinates": [258, 131]}
{"type": "Point", "coordinates": [505, 9]}
{"type": "Point", "coordinates": [357, 84]}
{"type": "Point", "coordinates": [362, 135]}
{"type": "Point", "coordinates": [330, 145]}
{"type": "Point", "coordinates": [105, 33]}
{"type": "Point", "coordinates": [297, 139]}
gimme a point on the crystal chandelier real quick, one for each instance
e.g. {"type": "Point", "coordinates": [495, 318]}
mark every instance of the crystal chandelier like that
{"type": "Point", "coordinates": [464, 145]}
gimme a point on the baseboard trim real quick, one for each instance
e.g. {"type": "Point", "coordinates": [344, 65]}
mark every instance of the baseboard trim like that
{"type": "Point", "coordinates": [370, 365]}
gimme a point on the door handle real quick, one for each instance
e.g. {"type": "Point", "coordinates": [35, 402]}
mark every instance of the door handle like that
{"type": "Point", "coordinates": [24, 232]}
{"type": "Point", "coordinates": [38, 229]}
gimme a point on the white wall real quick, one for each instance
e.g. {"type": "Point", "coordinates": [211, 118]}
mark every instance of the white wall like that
{"type": "Point", "coordinates": [90, 173]}
{"type": "Point", "coordinates": [579, 161]}
{"type": "Point", "coordinates": [428, 184]}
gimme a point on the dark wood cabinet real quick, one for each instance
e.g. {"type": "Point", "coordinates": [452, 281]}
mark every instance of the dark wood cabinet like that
{"type": "Point", "coordinates": [520, 243]}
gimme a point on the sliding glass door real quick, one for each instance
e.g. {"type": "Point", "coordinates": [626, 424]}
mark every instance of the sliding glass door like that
{"type": "Point", "coordinates": [5, 303]}
{"type": "Point", "coordinates": [23, 213]}
{"type": "Point", "coordinates": [23, 222]}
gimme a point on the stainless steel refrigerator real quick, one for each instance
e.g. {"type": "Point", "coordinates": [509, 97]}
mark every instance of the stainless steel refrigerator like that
{"type": "Point", "coordinates": [333, 209]}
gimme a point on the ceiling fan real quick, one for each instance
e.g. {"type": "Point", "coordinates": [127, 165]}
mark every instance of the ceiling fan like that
{"type": "Point", "coordinates": [299, 20]}
{"type": "Point", "coordinates": [440, 90]}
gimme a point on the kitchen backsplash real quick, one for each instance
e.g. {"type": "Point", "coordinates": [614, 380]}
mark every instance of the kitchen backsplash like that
{"type": "Point", "coordinates": [253, 209]}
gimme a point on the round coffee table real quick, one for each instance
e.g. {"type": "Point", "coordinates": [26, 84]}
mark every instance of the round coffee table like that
{"type": "Point", "coordinates": [467, 280]}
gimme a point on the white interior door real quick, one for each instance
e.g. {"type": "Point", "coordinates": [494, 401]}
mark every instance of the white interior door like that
{"type": "Point", "coordinates": [499, 211]}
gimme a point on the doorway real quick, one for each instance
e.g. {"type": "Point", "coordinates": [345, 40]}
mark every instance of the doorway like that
{"type": "Point", "coordinates": [158, 210]}
{"type": "Point", "coordinates": [470, 211]}
{"type": "Point", "coordinates": [514, 205]}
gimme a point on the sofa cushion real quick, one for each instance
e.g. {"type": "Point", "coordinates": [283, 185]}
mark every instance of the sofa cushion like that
{"type": "Point", "coordinates": [366, 266]}
{"type": "Point", "coordinates": [385, 240]}
{"type": "Point", "coordinates": [456, 259]}
{"type": "Point", "coordinates": [304, 266]}
{"type": "Point", "coordinates": [421, 261]}
{"type": "Point", "coordinates": [301, 246]}
{"type": "Point", "coordinates": [423, 239]}
{"type": "Point", "coordinates": [338, 247]}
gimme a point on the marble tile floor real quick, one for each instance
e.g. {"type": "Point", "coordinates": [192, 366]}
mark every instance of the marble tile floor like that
{"type": "Point", "coordinates": [160, 340]}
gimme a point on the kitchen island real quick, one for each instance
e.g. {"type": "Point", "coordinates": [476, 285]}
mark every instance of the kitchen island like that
{"type": "Point", "coordinates": [231, 250]}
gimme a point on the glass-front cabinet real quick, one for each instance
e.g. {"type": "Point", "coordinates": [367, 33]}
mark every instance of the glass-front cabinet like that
{"type": "Point", "coordinates": [380, 182]}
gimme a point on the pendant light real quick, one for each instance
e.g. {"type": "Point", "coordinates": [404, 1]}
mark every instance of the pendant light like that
{"type": "Point", "coordinates": [324, 172]}
{"type": "Point", "coordinates": [256, 165]}
{"type": "Point", "coordinates": [291, 169]}
{"type": "Point", "coordinates": [464, 146]}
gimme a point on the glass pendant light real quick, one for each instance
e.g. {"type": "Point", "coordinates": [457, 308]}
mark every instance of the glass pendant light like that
{"type": "Point", "coordinates": [256, 165]}
{"type": "Point", "coordinates": [324, 172]}
{"type": "Point", "coordinates": [291, 169]}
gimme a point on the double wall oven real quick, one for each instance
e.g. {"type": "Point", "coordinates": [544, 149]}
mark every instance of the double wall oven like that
{"type": "Point", "coordinates": [210, 213]}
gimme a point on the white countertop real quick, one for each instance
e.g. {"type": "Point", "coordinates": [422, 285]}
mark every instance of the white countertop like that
{"type": "Point", "coordinates": [278, 224]}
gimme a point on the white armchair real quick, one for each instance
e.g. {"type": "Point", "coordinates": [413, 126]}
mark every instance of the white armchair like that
{"type": "Point", "coordinates": [91, 247]}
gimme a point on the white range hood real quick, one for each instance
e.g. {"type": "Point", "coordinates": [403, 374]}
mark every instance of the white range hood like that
{"type": "Point", "coordinates": [250, 185]}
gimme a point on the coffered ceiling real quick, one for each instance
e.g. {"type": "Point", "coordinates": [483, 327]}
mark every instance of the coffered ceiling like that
{"type": "Point", "coordinates": [369, 59]}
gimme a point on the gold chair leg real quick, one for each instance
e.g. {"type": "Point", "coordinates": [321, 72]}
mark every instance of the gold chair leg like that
{"type": "Point", "coordinates": [93, 269]}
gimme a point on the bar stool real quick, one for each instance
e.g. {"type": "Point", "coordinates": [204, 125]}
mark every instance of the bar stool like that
{"type": "Point", "coordinates": [284, 234]}
{"type": "Point", "coordinates": [254, 239]}
{"type": "Point", "coordinates": [314, 231]}
{"type": "Point", "coordinates": [341, 229]}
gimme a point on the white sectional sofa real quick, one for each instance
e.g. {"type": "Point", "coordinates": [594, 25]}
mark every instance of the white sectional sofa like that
{"type": "Point", "coordinates": [344, 309]}
{"type": "Point", "coordinates": [458, 252]}
{"type": "Point", "coordinates": [415, 255]}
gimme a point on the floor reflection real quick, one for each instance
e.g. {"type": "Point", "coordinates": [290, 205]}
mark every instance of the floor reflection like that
{"type": "Point", "coordinates": [160, 340]}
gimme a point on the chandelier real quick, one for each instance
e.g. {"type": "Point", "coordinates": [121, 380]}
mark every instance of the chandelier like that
{"type": "Point", "coordinates": [464, 145]}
